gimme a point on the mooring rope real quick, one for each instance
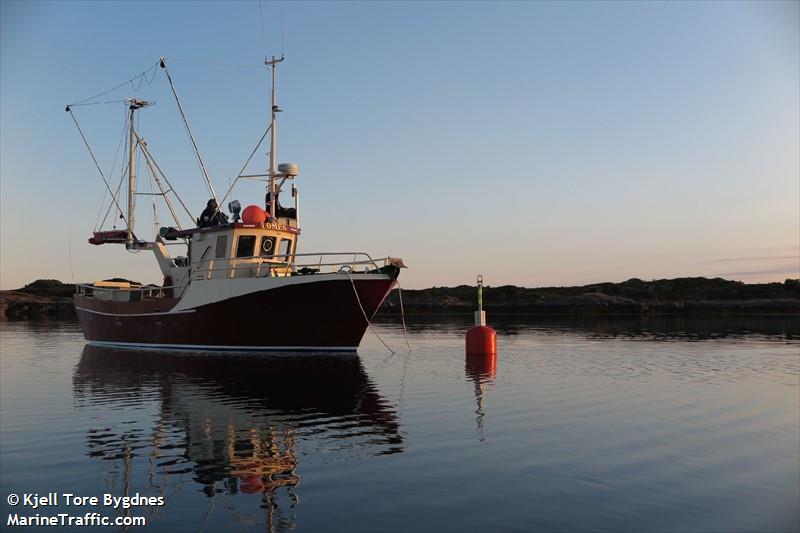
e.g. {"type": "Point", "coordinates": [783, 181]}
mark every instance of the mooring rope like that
{"type": "Point", "coordinates": [369, 322]}
{"type": "Point", "coordinates": [403, 315]}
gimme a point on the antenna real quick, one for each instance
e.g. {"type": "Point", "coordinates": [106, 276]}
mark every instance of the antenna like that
{"type": "Point", "coordinates": [283, 52]}
{"type": "Point", "coordinates": [263, 30]}
{"type": "Point", "coordinates": [271, 64]}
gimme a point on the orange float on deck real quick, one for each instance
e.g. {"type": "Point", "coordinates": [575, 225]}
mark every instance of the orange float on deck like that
{"type": "Point", "coordinates": [253, 214]}
{"type": "Point", "coordinates": [481, 339]}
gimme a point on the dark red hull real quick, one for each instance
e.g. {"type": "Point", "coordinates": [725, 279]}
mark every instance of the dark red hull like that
{"type": "Point", "coordinates": [322, 315]}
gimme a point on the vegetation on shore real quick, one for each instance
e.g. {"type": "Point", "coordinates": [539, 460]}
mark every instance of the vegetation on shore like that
{"type": "Point", "coordinates": [44, 298]}
{"type": "Point", "coordinates": [48, 298]}
{"type": "Point", "coordinates": [635, 296]}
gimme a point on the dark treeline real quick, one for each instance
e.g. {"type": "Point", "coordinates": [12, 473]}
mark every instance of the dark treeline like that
{"type": "Point", "coordinates": [635, 296]}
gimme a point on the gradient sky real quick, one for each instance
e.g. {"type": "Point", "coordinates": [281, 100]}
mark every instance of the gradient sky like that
{"type": "Point", "coordinates": [537, 143]}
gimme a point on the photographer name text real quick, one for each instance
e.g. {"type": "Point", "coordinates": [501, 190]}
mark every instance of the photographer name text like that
{"type": "Point", "coordinates": [54, 499]}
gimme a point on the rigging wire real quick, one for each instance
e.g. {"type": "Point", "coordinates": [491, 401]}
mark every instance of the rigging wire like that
{"type": "Point", "coordinates": [213, 63]}
{"type": "Point", "coordinates": [124, 170]}
{"type": "Point", "coordinates": [116, 195]}
{"type": "Point", "coordinates": [138, 153]}
{"type": "Point", "coordinates": [99, 103]}
{"type": "Point", "coordinates": [143, 79]}
{"type": "Point", "coordinates": [96, 164]}
{"type": "Point", "coordinates": [151, 179]}
{"type": "Point", "coordinates": [111, 172]}
{"type": "Point", "coordinates": [164, 193]}
{"type": "Point", "coordinates": [244, 167]}
{"type": "Point", "coordinates": [152, 161]}
{"type": "Point", "coordinates": [146, 77]}
{"type": "Point", "coordinates": [139, 156]}
{"type": "Point", "coordinates": [189, 131]}
{"type": "Point", "coordinates": [83, 102]}
{"type": "Point", "coordinates": [263, 30]}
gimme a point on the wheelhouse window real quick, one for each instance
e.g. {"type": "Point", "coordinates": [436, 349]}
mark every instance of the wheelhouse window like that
{"type": "Point", "coordinates": [246, 246]}
{"type": "Point", "coordinates": [222, 246]}
{"type": "Point", "coordinates": [285, 249]}
{"type": "Point", "coordinates": [267, 245]}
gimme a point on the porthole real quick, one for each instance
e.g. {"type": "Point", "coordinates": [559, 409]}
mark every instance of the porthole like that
{"type": "Point", "coordinates": [267, 245]}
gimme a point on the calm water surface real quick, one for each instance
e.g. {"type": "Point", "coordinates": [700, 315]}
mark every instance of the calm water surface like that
{"type": "Point", "coordinates": [690, 427]}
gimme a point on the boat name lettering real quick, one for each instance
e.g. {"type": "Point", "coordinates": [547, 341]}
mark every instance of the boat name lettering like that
{"type": "Point", "coordinates": [276, 226]}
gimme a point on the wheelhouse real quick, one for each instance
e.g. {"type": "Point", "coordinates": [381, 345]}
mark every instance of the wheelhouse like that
{"type": "Point", "coordinates": [235, 250]}
{"type": "Point", "coordinates": [227, 251]}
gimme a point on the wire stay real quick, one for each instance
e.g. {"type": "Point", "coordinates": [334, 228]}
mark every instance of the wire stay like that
{"type": "Point", "coordinates": [199, 158]}
{"type": "Point", "coordinates": [96, 164]}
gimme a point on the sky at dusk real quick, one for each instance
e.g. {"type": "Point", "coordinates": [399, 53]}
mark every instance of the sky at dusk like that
{"type": "Point", "coordinates": [538, 143]}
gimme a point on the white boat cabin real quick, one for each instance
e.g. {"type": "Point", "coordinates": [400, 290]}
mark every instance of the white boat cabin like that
{"type": "Point", "coordinates": [231, 251]}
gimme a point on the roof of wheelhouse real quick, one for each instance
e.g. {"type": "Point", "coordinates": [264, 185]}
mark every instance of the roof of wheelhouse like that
{"type": "Point", "coordinates": [271, 226]}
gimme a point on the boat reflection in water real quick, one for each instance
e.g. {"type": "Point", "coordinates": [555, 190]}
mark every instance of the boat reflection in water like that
{"type": "Point", "coordinates": [233, 424]}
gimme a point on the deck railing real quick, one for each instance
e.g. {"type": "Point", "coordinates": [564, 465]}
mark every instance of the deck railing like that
{"type": "Point", "coordinates": [258, 266]}
{"type": "Point", "coordinates": [135, 292]}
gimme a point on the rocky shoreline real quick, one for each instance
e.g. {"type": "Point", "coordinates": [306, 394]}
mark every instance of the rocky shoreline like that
{"type": "Point", "coordinates": [51, 299]}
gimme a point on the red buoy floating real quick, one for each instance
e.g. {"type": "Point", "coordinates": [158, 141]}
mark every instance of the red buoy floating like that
{"type": "Point", "coordinates": [481, 339]}
{"type": "Point", "coordinates": [481, 367]}
{"type": "Point", "coordinates": [253, 214]}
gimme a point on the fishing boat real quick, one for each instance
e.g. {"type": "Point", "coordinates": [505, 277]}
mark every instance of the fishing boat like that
{"type": "Point", "coordinates": [241, 283]}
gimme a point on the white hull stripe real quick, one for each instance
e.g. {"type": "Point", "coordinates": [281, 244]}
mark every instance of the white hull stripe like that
{"type": "Point", "coordinates": [160, 313]}
{"type": "Point", "coordinates": [219, 348]}
{"type": "Point", "coordinates": [203, 292]}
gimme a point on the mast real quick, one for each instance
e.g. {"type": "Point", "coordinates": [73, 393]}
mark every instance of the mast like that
{"type": "Point", "coordinates": [131, 179]}
{"type": "Point", "coordinates": [134, 104]}
{"type": "Point", "coordinates": [271, 64]}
